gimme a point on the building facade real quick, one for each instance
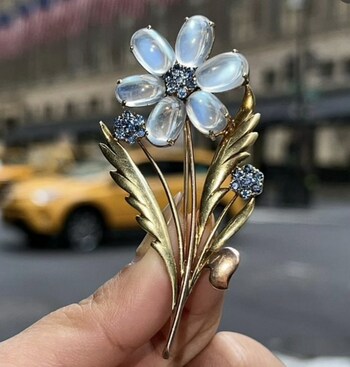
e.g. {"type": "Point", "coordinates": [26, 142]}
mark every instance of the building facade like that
{"type": "Point", "coordinates": [298, 51]}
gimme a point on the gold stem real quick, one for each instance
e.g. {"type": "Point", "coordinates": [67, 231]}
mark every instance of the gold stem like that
{"type": "Point", "coordinates": [201, 261]}
{"type": "Point", "coordinates": [171, 204]}
{"type": "Point", "coordinates": [186, 191]}
{"type": "Point", "coordinates": [185, 285]}
{"type": "Point", "coordinates": [192, 238]}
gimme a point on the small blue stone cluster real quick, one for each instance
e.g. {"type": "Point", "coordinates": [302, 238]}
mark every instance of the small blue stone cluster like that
{"type": "Point", "coordinates": [129, 127]}
{"type": "Point", "coordinates": [247, 181]}
{"type": "Point", "coordinates": [180, 81]}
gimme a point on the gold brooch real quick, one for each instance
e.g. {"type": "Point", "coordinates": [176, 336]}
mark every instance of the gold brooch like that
{"type": "Point", "coordinates": [182, 84]}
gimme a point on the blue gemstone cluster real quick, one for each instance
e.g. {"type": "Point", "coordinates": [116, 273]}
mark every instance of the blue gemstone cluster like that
{"type": "Point", "coordinates": [247, 181]}
{"type": "Point", "coordinates": [180, 81]}
{"type": "Point", "coordinates": [129, 127]}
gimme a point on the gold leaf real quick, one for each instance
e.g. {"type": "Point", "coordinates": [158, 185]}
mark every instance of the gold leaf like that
{"type": "Point", "coordinates": [248, 105]}
{"type": "Point", "coordinates": [141, 197]}
{"type": "Point", "coordinates": [233, 226]}
{"type": "Point", "coordinates": [230, 152]}
{"type": "Point", "coordinates": [234, 135]}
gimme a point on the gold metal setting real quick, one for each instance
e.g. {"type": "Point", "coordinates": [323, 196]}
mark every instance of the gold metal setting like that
{"type": "Point", "coordinates": [196, 249]}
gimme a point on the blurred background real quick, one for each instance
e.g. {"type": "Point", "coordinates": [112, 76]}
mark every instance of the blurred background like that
{"type": "Point", "coordinates": [59, 64]}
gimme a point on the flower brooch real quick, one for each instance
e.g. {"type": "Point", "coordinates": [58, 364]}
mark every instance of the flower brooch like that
{"type": "Point", "coordinates": [181, 84]}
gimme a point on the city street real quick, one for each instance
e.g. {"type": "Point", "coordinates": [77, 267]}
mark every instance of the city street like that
{"type": "Point", "coordinates": [292, 290]}
{"type": "Point", "coordinates": [160, 73]}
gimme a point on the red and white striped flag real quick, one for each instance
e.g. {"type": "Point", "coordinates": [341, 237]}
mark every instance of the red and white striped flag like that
{"type": "Point", "coordinates": [65, 18]}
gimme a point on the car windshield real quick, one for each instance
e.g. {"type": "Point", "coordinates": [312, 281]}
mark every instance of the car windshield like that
{"type": "Point", "coordinates": [86, 169]}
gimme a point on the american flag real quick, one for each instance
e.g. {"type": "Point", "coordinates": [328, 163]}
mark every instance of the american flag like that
{"type": "Point", "coordinates": [46, 21]}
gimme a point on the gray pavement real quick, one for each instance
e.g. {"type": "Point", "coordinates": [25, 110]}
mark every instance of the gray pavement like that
{"type": "Point", "coordinates": [292, 291]}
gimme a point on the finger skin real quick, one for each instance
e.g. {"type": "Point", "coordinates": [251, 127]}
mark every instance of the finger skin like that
{"type": "Point", "coordinates": [124, 316]}
{"type": "Point", "coordinates": [193, 335]}
{"type": "Point", "coordinates": [120, 318]}
{"type": "Point", "coordinates": [200, 320]}
{"type": "Point", "coordinates": [125, 323]}
{"type": "Point", "coordinates": [102, 330]}
{"type": "Point", "coordinates": [235, 350]}
{"type": "Point", "coordinates": [198, 325]}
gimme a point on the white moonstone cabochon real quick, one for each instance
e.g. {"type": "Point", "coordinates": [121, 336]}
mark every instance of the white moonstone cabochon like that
{"type": "Point", "coordinates": [206, 112]}
{"type": "Point", "coordinates": [152, 51]}
{"type": "Point", "coordinates": [140, 90]}
{"type": "Point", "coordinates": [194, 41]}
{"type": "Point", "coordinates": [222, 72]}
{"type": "Point", "coordinates": [166, 121]}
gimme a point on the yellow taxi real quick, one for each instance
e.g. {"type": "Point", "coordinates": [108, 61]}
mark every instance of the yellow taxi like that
{"type": "Point", "coordinates": [22, 164]}
{"type": "Point", "coordinates": [11, 173]}
{"type": "Point", "coordinates": [82, 205]}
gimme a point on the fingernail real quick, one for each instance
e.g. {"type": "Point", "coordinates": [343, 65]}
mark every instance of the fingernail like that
{"type": "Point", "coordinates": [146, 242]}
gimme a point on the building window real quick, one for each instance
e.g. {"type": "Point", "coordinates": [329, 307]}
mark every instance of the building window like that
{"type": "Point", "coordinates": [275, 17]}
{"type": "Point", "coordinates": [94, 106]}
{"type": "Point", "coordinates": [346, 67]}
{"type": "Point", "coordinates": [257, 13]}
{"type": "Point", "coordinates": [269, 78]}
{"type": "Point", "coordinates": [196, 2]}
{"type": "Point", "coordinates": [326, 69]}
{"type": "Point", "coordinates": [28, 113]}
{"type": "Point", "coordinates": [70, 109]}
{"type": "Point", "coordinates": [10, 124]}
{"type": "Point", "coordinates": [291, 69]}
{"type": "Point", "coordinates": [48, 113]}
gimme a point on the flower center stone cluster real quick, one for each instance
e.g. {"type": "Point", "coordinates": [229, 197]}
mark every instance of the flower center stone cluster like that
{"type": "Point", "coordinates": [247, 181]}
{"type": "Point", "coordinates": [129, 127]}
{"type": "Point", "coordinates": [180, 81]}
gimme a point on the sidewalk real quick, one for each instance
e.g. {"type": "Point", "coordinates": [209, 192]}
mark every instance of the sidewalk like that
{"type": "Point", "coordinates": [329, 195]}
{"type": "Point", "coordinates": [315, 362]}
{"type": "Point", "coordinates": [330, 206]}
{"type": "Point", "coordinates": [331, 213]}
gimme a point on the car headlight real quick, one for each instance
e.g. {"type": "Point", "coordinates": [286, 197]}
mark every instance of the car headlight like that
{"type": "Point", "coordinates": [43, 197]}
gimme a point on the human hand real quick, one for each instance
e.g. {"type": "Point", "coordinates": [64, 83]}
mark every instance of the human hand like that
{"type": "Point", "coordinates": [125, 323]}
